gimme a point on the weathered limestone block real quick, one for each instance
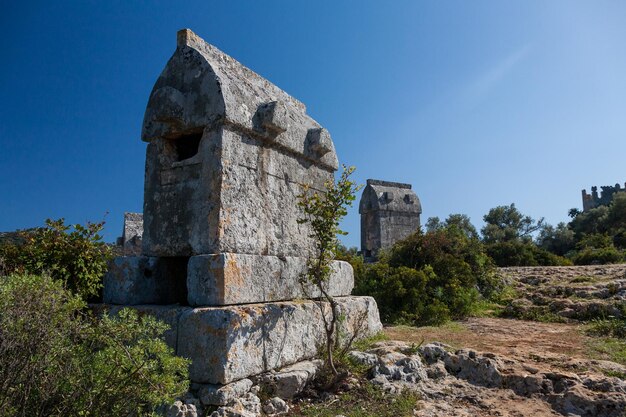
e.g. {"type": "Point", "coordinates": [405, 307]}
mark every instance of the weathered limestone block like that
{"type": "Point", "coordinates": [275, 406]}
{"type": "Point", "coordinates": [230, 343]}
{"type": "Point", "coordinates": [214, 280]}
{"type": "Point", "coordinates": [288, 382]}
{"type": "Point", "coordinates": [211, 394]}
{"type": "Point", "coordinates": [230, 278]}
{"type": "Point", "coordinates": [134, 280]}
{"type": "Point", "coordinates": [228, 154]}
{"type": "Point", "coordinates": [169, 314]}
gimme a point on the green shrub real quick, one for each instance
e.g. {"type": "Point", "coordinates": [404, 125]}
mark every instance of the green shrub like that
{"type": "Point", "coordinates": [599, 256]}
{"type": "Point", "coordinates": [429, 278]}
{"type": "Point", "coordinates": [57, 361]}
{"type": "Point", "coordinates": [397, 291]}
{"type": "Point", "coordinates": [77, 257]}
{"type": "Point", "coordinates": [596, 249]}
{"type": "Point", "coordinates": [452, 253]}
{"type": "Point", "coordinates": [608, 327]}
{"type": "Point", "coordinates": [523, 253]}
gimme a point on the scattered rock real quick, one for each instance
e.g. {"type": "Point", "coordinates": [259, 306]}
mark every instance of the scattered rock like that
{"type": "Point", "coordinates": [481, 381]}
{"type": "Point", "coordinates": [223, 394]}
{"type": "Point", "coordinates": [180, 409]}
{"type": "Point", "coordinates": [437, 370]}
{"type": "Point", "coordinates": [396, 366]}
{"type": "Point", "coordinates": [275, 406]}
{"type": "Point", "coordinates": [433, 352]}
{"type": "Point", "coordinates": [363, 358]}
{"type": "Point", "coordinates": [247, 406]}
{"type": "Point", "coordinates": [289, 381]}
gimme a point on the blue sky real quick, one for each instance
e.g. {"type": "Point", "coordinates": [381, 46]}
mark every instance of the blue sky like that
{"type": "Point", "coordinates": [477, 104]}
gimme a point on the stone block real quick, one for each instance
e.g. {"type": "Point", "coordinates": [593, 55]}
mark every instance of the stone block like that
{"type": "Point", "coordinates": [319, 141]}
{"type": "Point", "coordinates": [230, 278]}
{"type": "Point", "coordinates": [134, 280]}
{"type": "Point", "coordinates": [274, 117]}
{"type": "Point", "coordinates": [211, 394]}
{"type": "Point", "coordinates": [275, 406]}
{"type": "Point", "coordinates": [230, 343]}
{"type": "Point", "coordinates": [290, 381]}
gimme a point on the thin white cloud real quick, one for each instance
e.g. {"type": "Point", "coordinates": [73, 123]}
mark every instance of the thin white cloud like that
{"type": "Point", "coordinates": [480, 88]}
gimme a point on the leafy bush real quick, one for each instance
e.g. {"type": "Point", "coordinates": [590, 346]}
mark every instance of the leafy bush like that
{"type": "Point", "coordinates": [608, 327]}
{"type": "Point", "coordinates": [429, 278]}
{"type": "Point", "coordinates": [77, 257]}
{"type": "Point", "coordinates": [520, 253]}
{"type": "Point", "coordinates": [452, 253]}
{"type": "Point", "coordinates": [597, 249]}
{"type": "Point", "coordinates": [600, 233]}
{"type": "Point", "coordinates": [558, 240]}
{"type": "Point", "coordinates": [598, 256]}
{"type": "Point", "coordinates": [57, 361]}
{"type": "Point", "coordinates": [397, 291]}
{"type": "Point", "coordinates": [508, 224]}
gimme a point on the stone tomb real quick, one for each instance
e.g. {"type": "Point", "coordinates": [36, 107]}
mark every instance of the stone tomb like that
{"type": "Point", "coordinates": [228, 153]}
{"type": "Point", "coordinates": [390, 211]}
{"type": "Point", "coordinates": [130, 241]}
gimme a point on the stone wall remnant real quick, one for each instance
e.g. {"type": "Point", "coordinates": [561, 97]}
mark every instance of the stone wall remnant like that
{"type": "Point", "coordinates": [390, 211]}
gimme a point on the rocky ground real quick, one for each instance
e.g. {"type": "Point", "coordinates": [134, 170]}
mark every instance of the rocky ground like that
{"type": "Point", "coordinates": [567, 292]}
{"type": "Point", "coordinates": [470, 383]}
{"type": "Point", "coordinates": [517, 368]}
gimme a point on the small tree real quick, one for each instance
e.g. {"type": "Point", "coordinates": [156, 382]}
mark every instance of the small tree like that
{"type": "Point", "coordinates": [74, 255]}
{"type": "Point", "coordinates": [323, 211]}
{"type": "Point", "coordinates": [507, 224]}
{"type": "Point", "coordinates": [558, 240]}
{"type": "Point", "coordinates": [461, 221]}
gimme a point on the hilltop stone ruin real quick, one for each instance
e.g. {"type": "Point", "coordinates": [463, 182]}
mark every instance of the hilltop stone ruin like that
{"type": "Point", "coordinates": [594, 200]}
{"type": "Point", "coordinates": [390, 211]}
{"type": "Point", "coordinates": [222, 250]}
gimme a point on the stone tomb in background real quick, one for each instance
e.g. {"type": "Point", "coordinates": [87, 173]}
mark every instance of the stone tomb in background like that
{"type": "Point", "coordinates": [390, 211]}
{"type": "Point", "coordinates": [130, 241]}
{"type": "Point", "coordinates": [223, 252]}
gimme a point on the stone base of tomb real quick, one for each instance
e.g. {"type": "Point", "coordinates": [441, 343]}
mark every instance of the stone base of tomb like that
{"type": "Point", "coordinates": [226, 344]}
{"type": "Point", "coordinates": [284, 383]}
{"type": "Point", "coordinates": [215, 280]}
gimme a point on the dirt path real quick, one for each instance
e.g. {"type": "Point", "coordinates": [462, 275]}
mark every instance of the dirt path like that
{"type": "Point", "coordinates": [548, 345]}
{"type": "Point", "coordinates": [508, 337]}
